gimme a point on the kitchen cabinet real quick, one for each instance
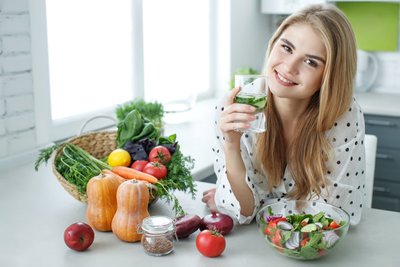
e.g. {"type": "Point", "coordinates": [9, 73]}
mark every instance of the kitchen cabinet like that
{"type": "Point", "coordinates": [387, 169]}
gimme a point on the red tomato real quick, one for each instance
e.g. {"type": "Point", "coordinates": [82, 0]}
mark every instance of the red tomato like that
{"type": "Point", "coordinates": [334, 225]}
{"type": "Point", "coordinates": [304, 241]}
{"type": "Point", "coordinates": [268, 230]}
{"type": "Point", "coordinates": [277, 238]}
{"type": "Point", "coordinates": [274, 222]}
{"type": "Point", "coordinates": [156, 169]}
{"type": "Point", "coordinates": [139, 165]}
{"type": "Point", "coordinates": [160, 154]}
{"type": "Point", "coordinates": [210, 243]}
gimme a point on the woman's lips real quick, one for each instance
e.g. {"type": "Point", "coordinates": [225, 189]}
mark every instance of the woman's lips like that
{"type": "Point", "coordinates": [284, 81]}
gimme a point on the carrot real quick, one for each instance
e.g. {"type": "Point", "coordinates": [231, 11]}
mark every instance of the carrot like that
{"type": "Point", "coordinates": [118, 177]}
{"type": "Point", "coordinates": [129, 173]}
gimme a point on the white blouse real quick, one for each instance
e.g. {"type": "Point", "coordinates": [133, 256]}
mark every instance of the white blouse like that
{"type": "Point", "coordinates": [345, 177]}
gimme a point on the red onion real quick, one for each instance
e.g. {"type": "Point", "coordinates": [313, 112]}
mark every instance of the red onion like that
{"type": "Point", "coordinates": [217, 221]}
{"type": "Point", "coordinates": [269, 218]}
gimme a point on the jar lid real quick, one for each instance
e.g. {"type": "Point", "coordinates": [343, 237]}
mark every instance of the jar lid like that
{"type": "Point", "coordinates": [157, 224]}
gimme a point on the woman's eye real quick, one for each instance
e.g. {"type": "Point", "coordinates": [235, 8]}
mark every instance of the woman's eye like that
{"type": "Point", "coordinates": [287, 48]}
{"type": "Point", "coordinates": [311, 62]}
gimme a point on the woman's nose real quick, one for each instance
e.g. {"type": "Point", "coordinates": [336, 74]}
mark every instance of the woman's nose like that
{"type": "Point", "coordinates": [291, 65]}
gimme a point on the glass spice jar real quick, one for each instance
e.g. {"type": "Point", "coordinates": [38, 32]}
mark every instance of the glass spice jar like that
{"type": "Point", "coordinates": [158, 235]}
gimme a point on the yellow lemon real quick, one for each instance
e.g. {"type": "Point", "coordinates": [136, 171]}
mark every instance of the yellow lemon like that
{"type": "Point", "coordinates": [119, 157]}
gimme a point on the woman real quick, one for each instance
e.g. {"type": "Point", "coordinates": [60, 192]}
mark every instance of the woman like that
{"type": "Point", "coordinates": [314, 144]}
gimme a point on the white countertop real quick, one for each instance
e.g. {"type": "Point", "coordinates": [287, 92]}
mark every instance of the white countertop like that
{"type": "Point", "coordinates": [379, 103]}
{"type": "Point", "coordinates": [35, 210]}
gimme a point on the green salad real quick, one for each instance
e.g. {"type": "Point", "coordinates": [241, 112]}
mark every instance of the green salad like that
{"type": "Point", "coordinates": [301, 236]}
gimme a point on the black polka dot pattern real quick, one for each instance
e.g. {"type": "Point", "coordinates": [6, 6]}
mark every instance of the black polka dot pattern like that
{"type": "Point", "coordinates": [345, 175]}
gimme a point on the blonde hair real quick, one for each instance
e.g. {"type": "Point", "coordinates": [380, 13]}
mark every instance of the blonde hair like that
{"type": "Point", "coordinates": [310, 149]}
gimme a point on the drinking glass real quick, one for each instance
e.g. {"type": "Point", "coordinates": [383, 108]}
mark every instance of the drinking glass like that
{"type": "Point", "coordinates": [253, 92]}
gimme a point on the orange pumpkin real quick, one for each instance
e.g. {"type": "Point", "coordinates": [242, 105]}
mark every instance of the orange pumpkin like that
{"type": "Point", "coordinates": [119, 178]}
{"type": "Point", "coordinates": [102, 201]}
{"type": "Point", "coordinates": [132, 204]}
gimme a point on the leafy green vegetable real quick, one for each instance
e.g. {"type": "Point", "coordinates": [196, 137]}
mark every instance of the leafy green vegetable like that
{"type": "Point", "coordinates": [270, 212]}
{"type": "Point", "coordinates": [167, 140]}
{"type": "Point", "coordinates": [148, 131]}
{"type": "Point", "coordinates": [179, 178]}
{"type": "Point", "coordinates": [317, 217]}
{"type": "Point", "coordinates": [134, 127]}
{"type": "Point", "coordinates": [129, 127]}
{"type": "Point", "coordinates": [153, 111]}
{"type": "Point", "coordinates": [308, 252]}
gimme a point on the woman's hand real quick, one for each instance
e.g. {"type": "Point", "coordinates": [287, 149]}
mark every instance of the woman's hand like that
{"type": "Point", "coordinates": [235, 116]}
{"type": "Point", "coordinates": [208, 198]}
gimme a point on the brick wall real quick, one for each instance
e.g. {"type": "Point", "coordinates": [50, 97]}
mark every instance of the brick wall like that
{"type": "Point", "coordinates": [17, 118]}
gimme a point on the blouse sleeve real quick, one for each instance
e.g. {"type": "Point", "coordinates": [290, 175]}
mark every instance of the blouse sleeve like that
{"type": "Point", "coordinates": [346, 169]}
{"type": "Point", "coordinates": [225, 200]}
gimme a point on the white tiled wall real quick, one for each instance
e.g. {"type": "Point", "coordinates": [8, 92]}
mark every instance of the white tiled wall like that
{"type": "Point", "coordinates": [17, 118]}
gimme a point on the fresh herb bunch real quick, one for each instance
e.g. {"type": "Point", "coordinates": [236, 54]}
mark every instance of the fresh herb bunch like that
{"type": "Point", "coordinates": [153, 111]}
{"type": "Point", "coordinates": [45, 155]}
{"type": "Point", "coordinates": [178, 178]}
{"type": "Point", "coordinates": [75, 164]}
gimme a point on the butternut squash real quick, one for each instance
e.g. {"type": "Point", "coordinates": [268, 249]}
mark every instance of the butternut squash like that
{"type": "Point", "coordinates": [102, 201]}
{"type": "Point", "coordinates": [132, 204]}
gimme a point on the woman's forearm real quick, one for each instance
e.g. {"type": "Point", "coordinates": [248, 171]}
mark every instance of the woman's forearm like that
{"type": "Point", "coordinates": [236, 172]}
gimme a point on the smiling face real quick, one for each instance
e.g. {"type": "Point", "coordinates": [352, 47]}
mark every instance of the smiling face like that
{"type": "Point", "coordinates": [296, 63]}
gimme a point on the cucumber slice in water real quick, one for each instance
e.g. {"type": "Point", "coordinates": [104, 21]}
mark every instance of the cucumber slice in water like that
{"type": "Point", "coordinates": [258, 102]}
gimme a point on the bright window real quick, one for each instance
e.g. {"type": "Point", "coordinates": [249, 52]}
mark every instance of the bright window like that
{"type": "Point", "coordinates": [90, 55]}
{"type": "Point", "coordinates": [176, 41]}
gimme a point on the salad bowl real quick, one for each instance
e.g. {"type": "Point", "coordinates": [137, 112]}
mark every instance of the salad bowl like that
{"type": "Point", "coordinates": [302, 229]}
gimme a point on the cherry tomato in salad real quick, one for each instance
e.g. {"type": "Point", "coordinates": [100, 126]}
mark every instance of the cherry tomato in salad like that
{"type": "Point", "coordinates": [160, 154]}
{"type": "Point", "coordinates": [156, 169]}
{"type": "Point", "coordinates": [210, 243]}
{"type": "Point", "coordinates": [334, 225]}
{"type": "Point", "coordinates": [304, 241]}
{"type": "Point", "coordinates": [268, 230]}
{"type": "Point", "coordinates": [274, 222]}
{"type": "Point", "coordinates": [277, 238]}
{"type": "Point", "coordinates": [139, 165]}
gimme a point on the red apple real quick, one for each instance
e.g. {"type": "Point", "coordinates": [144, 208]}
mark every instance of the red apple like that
{"type": "Point", "coordinates": [78, 236]}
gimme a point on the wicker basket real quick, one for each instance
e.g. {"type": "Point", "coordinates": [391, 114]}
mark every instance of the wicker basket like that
{"type": "Point", "coordinates": [99, 145]}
